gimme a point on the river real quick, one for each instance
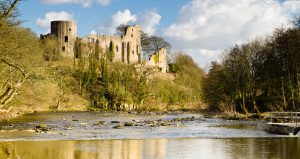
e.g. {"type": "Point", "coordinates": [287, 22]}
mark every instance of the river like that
{"type": "Point", "coordinates": [186, 136]}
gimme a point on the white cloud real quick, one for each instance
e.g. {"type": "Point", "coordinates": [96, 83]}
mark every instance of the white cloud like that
{"type": "Point", "coordinates": [84, 3]}
{"type": "Point", "coordinates": [121, 17]}
{"type": "Point", "coordinates": [149, 21]}
{"type": "Point", "coordinates": [212, 25]}
{"type": "Point", "coordinates": [51, 16]}
{"type": "Point", "coordinates": [200, 55]}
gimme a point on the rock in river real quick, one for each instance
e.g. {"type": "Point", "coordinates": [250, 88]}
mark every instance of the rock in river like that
{"type": "Point", "coordinates": [41, 127]}
{"type": "Point", "coordinates": [128, 124]}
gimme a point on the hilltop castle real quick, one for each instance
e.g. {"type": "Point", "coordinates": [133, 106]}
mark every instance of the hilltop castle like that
{"type": "Point", "coordinates": [126, 48]}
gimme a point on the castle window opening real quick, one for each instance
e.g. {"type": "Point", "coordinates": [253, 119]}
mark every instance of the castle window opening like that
{"type": "Point", "coordinates": [132, 52]}
{"type": "Point", "coordinates": [132, 35]}
{"type": "Point", "coordinates": [66, 39]}
{"type": "Point", "coordinates": [117, 48]}
{"type": "Point", "coordinates": [63, 48]}
{"type": "Point", "coordinates": [91, 40]}
{"type": "Point", "coordinates": [70, 29]}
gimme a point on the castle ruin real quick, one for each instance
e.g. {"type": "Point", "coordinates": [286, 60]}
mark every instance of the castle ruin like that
{"type": "Point", "coordinates": [126, 48]}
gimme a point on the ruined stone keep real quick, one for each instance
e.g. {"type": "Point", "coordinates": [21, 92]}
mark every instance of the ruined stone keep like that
{"type": "Point", "coordinates": [126, 48]}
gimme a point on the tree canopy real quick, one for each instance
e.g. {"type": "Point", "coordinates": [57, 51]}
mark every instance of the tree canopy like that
{"type": "Point", "coordinates": [259, 76]}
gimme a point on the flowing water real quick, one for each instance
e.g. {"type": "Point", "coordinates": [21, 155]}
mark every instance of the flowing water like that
{"type": "Point", "coordinates": [76, 135]}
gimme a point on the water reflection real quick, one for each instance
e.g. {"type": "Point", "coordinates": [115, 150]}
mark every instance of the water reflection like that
{"type": "Point", "coordinates": [154, 148]}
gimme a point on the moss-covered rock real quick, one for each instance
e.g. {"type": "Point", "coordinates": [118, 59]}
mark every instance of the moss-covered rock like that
{"type": "Point", "coordinates": [128, 124]}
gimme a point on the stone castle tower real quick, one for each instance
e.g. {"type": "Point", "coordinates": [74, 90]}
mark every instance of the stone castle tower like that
{"type": "Point", "coordinates": [66, 33]}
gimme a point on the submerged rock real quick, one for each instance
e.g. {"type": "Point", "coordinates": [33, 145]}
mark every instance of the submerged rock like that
{"type": "Point", "coordinates": [83, 124]}
{"type": "Point", "coordinates": [115, 122]}
{"type": "Point", "coordinates": [137, 121]}
{"type": "Point", "coordinates": [128, 124]}
{"type": "Point", "coordinates": [119, 126]}
{"type": "Point", "coordinates": [74, 118]}
{"type": "Point", "coordinates": [166, 123]}
{"type": "Point", "coordinates": [100, 123]}
{"type": "Point", "coordinates": [68, 127]}
{"type": "Point", "coordinates": [41, 127]}
{"type": "Point", "coordinates": [63, 134]}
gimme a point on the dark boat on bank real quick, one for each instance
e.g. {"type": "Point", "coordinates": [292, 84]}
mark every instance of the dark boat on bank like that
{"type": "Point", "coordinates": [284, 123]}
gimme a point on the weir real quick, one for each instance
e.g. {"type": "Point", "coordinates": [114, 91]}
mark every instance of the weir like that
{"type": "Point", "coordinates": [284, 123]}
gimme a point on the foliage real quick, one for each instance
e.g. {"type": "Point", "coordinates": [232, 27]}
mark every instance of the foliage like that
{"type": "Point", "coordinates": [51, 51]}
{"type": "Point", "coordinates": [18, 46]}
{"type": "Point", "coordinates": [78, 48]}
{"type": "Point", "coordinates": [121, 86]}
{"type": "Point", "coordinates": [186, 88]}
{"type": "Point", "coordinates": [114, 86]}
{"type": "Point", "coordinates": [153, 44]}
{"type": "Point", "coordinates": [9, 12]}
{"type": "Point", "coordinates": [188, 72]}
{"type": "Point", "coordinates": [296, 22]}
{"type": "Point", "coordinates": [257, 76]}
{"type": "Point", "coordinates": [121, 29]}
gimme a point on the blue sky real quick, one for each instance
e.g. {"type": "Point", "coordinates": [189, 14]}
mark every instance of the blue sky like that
{"type": "Point", "coordinates": [200, 28]}
{"type": "Point", "coordinates": [89, 17]}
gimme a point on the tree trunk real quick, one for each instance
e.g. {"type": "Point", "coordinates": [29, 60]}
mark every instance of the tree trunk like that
{"type": "Point", "coordinates": [11, 88]}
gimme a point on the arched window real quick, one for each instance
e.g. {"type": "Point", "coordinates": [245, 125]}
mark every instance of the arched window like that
{"type": "Point", "coordinates": [117, 48]}
{"type": "Point", "coordinates": [66, 39]}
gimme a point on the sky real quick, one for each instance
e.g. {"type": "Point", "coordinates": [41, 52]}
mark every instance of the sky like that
{"type": "Point", "coordinates": [201, 28]}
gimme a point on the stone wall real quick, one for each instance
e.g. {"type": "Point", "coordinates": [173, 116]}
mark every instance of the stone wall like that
{"type": "Point", "coordinates": [126, 48]}
{"type": "Point", "coordinates": [159, 59]}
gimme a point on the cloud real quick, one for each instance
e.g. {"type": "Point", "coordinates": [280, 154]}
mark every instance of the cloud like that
{"type": "Point", "coordinates": [149, 21]}
{"type": "Point", "coordinates": [84, 3]}
{"type": "Point", "coordinates": [212, 25]}
{"type": "Point", "coordinates": [120, 17]}
{"type": "Point", "coordinates": [51, 16]}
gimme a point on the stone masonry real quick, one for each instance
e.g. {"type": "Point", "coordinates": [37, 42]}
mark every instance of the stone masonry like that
{"type": "Point", "coordinates": [127, 48]}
